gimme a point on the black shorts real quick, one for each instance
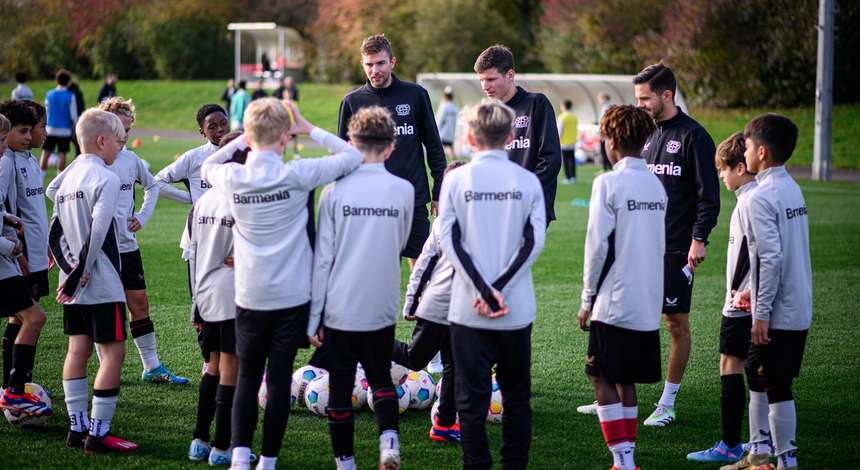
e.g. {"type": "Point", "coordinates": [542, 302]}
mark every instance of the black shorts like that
{"type": "Point", "coordinates": [132, 271]}
{"type": "Point", "coordinates": [56, 143]}
{"type": "Point", "coordinates": [15, 295]}
{"type": "Point", "coordinates": [780, 360]}
{"type": "Point", "coordinates": [37, 282]}
{"type": "Point", "coordinates": [103, 323]}
{"type": "Point", "coordinates": [445, 142]}
{"type": "Point", "coordinates": [623, 356]}
{"type": "Point", "coordinates": [677, 289]}
{"type": "Point", "coordinates": [420, 232]}
{"type": "Point", "coordinates": [219, 336]}
{"type": "Point", "coordinates": [736, 336]}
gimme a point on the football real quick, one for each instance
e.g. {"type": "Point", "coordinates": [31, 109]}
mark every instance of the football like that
{"type": "Point", "coordinates": [494, 414]}
{"type": "Point", "coordinates": [422, 389]}
{"type": "Point", "coordinates": [402, 398]}
{"type": "Point", "coordinates": [359, 390]}
{"type": "Point", "coordinates": [398, 374]}
{"type": "Point", "coordinates": [301, 377]}
{"type": "Point", "coordinates": [25, 420]}
{"type": "Point", "coordinates": [316, 395]}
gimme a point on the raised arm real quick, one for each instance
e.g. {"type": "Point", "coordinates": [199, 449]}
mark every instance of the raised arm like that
{"type": "Point", "coordinates": [310, 173]}
{"type": "Point", "coordinates": [213, 169]}
{"type": "Point", "coordinates": [175, 172]}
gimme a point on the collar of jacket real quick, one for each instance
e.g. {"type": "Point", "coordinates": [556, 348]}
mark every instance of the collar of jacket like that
{"type": "Point", "coordinates": [630, 161]}
{"type": "Point", "coordinates": [381, 91]}
{"type": "Point", "coordinates": [673, 121]}
{"type": "Point", "coordinates": [495, 153]}
{"type": "Point", "coordinates": [518, 96]}
{"type": "Point", "coordinates": [774, 170]}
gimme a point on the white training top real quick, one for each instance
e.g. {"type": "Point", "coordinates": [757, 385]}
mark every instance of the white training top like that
{"type": "Point", "coordinates": [737, 254]}
{"type": "Point", "coordinates": [364, 223]}
{"type": "Point", "coordinates": [83, 232]}
{"type": "Point", "coordinates": [268, 200]}
{"type": "Point", "coordinates": [186, 169]}
{"type": "Point", "coordinates": [8, 264]}
{"type": "Point", "coordinates": [209, 244]}
{"type": "Point", "coordinates": [492, 224]}
{"type": "Point", "coordinates": [777, 229]}
{"type": "Point", "coordinates": [622, 279]}
{"type": "Point", "coordinates": [130, 169]}
{"type": "Point", "coordinates": [428, 293]}
{"type": "Point", "coordinates": [20, 174]}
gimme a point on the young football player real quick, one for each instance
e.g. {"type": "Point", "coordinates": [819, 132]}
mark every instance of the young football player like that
{"type": "Point", "coordinates": [364, 224]}
{"type": "Point", "coordinates": [131, 170]}
{"type": "Point", "coordinates": [85, 246]}
{"type": "Point", "coordinates": [623, 279]}
{"type": "Point", "coordinates": [776, 225]}
{"type": "Point", "coordinates": [428, 296]}
{"type": "Point", "coordinates": [492, 227]}
{"type": "Point", "coordinates": [736, 322]}
{"type": "Point", "coordinates": [273, 258]}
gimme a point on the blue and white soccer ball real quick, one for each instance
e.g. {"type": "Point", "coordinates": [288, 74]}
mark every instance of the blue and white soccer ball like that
{"type": "Point", "coordinates": [24, 420]}
{"type": "Point", "coordinates": [398, 374]}
{"type": "Point", "coordinates": [301, 378]}
{"type": "Point", "coordinates": [317, 395]}
{"type": "Point", "coordinates": [402, 398]}
{"type": "Point", "coordinates": [422, 389]}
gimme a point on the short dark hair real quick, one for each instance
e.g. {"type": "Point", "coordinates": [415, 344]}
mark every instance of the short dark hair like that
{"type": "Point", "coordinates": [730, 152]}
{"type": "Point", "coordinates": [38, 109]}
{"type": "Point", "coordinates": [206, 110]}
{"type": "Point", "coordinates": [453, 166]}
{"type": "Point", "coordinates": [19, 113]}
{"type": "Point", "coordinates": [376, 44]}
{"type": "Point", "coordinates": [64, 77]}
{"type": "Point", "coordinates": [776, 132]}
{"type": "Point", "coordinates": [568, 104]}
{"type": "Point", "coordinates": [242, 84]}
{"type": "Point", "coordinates": [628, 126]}
{"type": "Point", "coordinates": [659, 77]}
{"type": "Point", "coordinates": [20, 77]}
{"type": "Point", "coordinates": [497, 57]}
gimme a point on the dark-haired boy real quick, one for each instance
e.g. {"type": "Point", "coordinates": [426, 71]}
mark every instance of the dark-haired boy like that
{"type": "Point", "coordinates": [776, 225]}
{"type": "Point", "coordinates": [535, 145]}
{"type": "Point", "coordinates": [622, 279]}
{"type": "Point", "coordinates": [18, 304]}
{"type": "Point", "coordinates": [364, 221]}
{"type": "Point", "coordinates": [62, 115]}
{"type": "Point", "coordinates": [21, 91]}
{"type": "Point", "coordinates": [736, 321]}
{"type": "Point", "coordinates": [22, 195]}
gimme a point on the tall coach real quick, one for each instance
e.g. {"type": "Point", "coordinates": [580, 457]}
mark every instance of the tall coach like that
{"type": "Point", "coordinates": [681, 154]}
{"type": "Point", "coordinates": [535, 145]}
{"type": "Point", "coordinates": [415, 130]}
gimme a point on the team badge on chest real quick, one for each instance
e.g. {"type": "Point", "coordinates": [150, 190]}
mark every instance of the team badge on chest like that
{"type": "Point", "coordinates": [402, 110]}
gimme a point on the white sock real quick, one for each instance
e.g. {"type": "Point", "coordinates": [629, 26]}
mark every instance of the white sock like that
{"type": "Point", "coordinates": [670, 391]}
{"type": "Point", "coordinates": [622, 456]}
{"type": "Point", "coordinates": [389, 439]}
{"type": "Point", "coordinates": [103, 410]}
{"type": "Point", "coordinates": [241, 456]}
{"type": "Point", "coordinates": [345, 462]}
{"type": "Point", "coordinates": [267, 463]}
{"type": "Point", "coordinates": [148, 351]}
{"type": "Point", "coordinates": [760, 436]}
{"type": "Point", "coordinates": [783, 426]}
{"type": "Point", "coordinates": [77, 398]}
{"type": "Point", "coordinates": [630, 412]}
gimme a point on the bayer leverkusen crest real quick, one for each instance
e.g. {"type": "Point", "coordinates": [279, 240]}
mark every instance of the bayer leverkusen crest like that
{"type": "Point", "coordinates": [402, 109]}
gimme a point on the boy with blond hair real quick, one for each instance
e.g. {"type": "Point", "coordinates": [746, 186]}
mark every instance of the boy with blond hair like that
{"type": "Point", "coordinates": [84, 244]}
{"type": "Point", "coordinates": [273, 259]}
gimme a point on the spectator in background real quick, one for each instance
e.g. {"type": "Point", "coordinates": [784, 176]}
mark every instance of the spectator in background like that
{"type": "Point", "coordinates": [62, 115]}
{"type": "Point", "coordinates": [79, 101]}
{"type": "Point", "coordinates": [22, 91]}
{"type": "Point", "coordinates": [568, 133]}
{"type": "Point", "coordinates": [446, 121]}
{"type": "Point", "coordinates": [605, 102]}
{"type": "Point", "coordinates": [109, 88]}
{"type": "Point", "coordinates": [238, 102]}
{"type": "Point", "coordinates": [259, 92]}
{"type": "Point", "coordinates": [287, 90]}
{"type": "Point", "coordinates": [228, 93]}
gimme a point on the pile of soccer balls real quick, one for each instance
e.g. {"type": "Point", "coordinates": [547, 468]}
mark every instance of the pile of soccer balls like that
{"type": "Point", "coordinates": [416, 390]}
{"type": "Point", "coordinates": [22, 420]}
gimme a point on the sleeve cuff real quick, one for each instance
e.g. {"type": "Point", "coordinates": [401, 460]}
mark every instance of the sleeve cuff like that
{"type": "Point", "coordinates": [318, 135]}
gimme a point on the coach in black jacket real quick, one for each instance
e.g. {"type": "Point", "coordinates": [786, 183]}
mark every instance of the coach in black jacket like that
{"type": "Point", "coordinates": [535, 145]}
{"type": "Point", "coordinates": [416, 127]}
{"type": "Point", "coordinates": [681, 154]}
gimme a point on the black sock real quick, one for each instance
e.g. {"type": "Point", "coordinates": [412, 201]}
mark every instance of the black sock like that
{"type": "Point", "coordinates": [733, 401]}
{"type": "Point", "coordinates": [206, 406]}
{"type": "Point", "coordinates": [341, 428]}
{"type": "Point", "coordinates": [387, 408]}
{"type": "Point", "coordinates": [141, 327]}
{"type": "Point", "coordinates": [9, 336]}
{"type": "Point", "coordinates": [223, 410]}
{"type": "Point", "coordinates": [23, 357]}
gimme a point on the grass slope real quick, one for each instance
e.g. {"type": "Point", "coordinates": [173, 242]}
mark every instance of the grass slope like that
{"type": "Point", "coordinates": [161, 418]}
{"type": "Point", "coordinates": [172, 105]}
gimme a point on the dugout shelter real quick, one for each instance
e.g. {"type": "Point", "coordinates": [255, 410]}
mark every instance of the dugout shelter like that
{"type": "Point", "coordinates": [266, 51]}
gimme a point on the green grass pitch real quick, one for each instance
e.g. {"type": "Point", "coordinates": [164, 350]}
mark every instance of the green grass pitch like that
{"type": "Point", "coordinates": [161, 418]}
